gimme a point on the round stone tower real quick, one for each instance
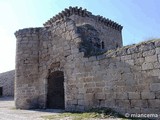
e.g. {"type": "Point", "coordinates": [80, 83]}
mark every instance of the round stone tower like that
{"type": "Point", "coordinates": [26, 72]}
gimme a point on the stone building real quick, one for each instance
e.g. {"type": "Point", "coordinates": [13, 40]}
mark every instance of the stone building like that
{"type": "Point", "coordinates": [7, 83]}
{"type": "Point", "coordinates": [77, 62]}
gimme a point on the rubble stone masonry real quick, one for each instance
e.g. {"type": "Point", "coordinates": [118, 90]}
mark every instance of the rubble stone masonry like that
{"type": "Point", "coordinates": [125, 79]}
{"type": "Point", "coordinates": [7, 83]}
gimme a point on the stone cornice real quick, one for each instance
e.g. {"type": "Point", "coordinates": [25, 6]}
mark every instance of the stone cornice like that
{"type": "Point", "coordinates": [83, 13]}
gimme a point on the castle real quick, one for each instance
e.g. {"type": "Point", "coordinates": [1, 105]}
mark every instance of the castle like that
{"type": "Point", "coordinates": [77, 62]}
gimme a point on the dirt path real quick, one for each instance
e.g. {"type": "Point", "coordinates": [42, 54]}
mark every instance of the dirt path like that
{"type": "Point", "coordinates": [8, 111]}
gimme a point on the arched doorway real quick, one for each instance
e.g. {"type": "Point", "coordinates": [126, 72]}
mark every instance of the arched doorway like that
{"type": "Point", "coordinates": [55, 95]}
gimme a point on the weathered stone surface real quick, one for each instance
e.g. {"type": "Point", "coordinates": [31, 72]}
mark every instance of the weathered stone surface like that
{"type": "Point", "coordinates": [155, 87]}
{"type": "Point", "coordinates": [128, 57]}
{"type": "Point", "coordinates": [148, 95]}
{"type": "Point", "coordinates": [7, 83]}
{"type": "Point", "coordinates": [139, 61]}
{"type": "Point", "coordinates": [130, 62]}
{"type": "Point", "coordinates": [147, 66]}
{"type": "Point", "coordinates": [110, 103]}
{"type": "Point", "coordinates": [157, 95]}
{"type": "Point", "coordinates": [154, 103]}
{"type": "Point", "coordinates": [134, 95]}
{"type": "Point", "coordinates": [98, 71]}
{"type": "Point", "coordinates": [158, 50]}
{"type": "Point", "coordinates": [100, 96]}
{"type": "Point", "coordinates": [151, 58]}
{"type": "Point", "coordinates": [123, 104]}
{"type": "Point", "coordinates": [122, 96]}
{"type": "Point", "coordinates": [157, 43]}
{"type": "Point", "coordinates": [139, 103]}
{"type": "Point", "coordinates": [156, 65]}
{"type": "Point", "coordinates": [148, 53]}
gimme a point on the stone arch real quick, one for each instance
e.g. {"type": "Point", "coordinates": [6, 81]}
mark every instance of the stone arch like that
{"type": "Point", "coordinates": [53, 67]}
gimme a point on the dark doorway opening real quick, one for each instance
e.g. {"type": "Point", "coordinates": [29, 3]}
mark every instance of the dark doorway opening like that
{"type": "Point", "coordinates": [55, 95]}
{"type": "Point", "coordinates": [1, 91]}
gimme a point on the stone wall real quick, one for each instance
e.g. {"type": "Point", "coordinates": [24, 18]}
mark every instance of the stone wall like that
{"type": "Point", "coordinates": [125, 79]}
{"type": "Point", "coordinates": [7, 83]}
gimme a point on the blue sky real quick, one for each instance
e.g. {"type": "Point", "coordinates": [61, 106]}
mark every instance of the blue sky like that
{"type": "Point", "coordinates": [140, 19]}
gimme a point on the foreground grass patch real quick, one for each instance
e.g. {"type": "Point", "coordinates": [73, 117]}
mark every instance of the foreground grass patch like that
{"type": "Point", "coordinates": [92, 114]}
{"type": "Point", "coordinates": [72, 116]}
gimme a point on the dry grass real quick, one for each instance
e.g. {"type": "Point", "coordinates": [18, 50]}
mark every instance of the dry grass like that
{"type": "Point", "coordinates": [94, 114]}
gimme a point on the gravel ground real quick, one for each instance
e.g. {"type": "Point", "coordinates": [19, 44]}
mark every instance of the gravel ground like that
{"type": "Point", "coordinates": [8, 112]}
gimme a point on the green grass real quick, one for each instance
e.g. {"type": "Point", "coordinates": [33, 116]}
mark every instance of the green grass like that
{"type": "Point", "coordinates": [13, 108]}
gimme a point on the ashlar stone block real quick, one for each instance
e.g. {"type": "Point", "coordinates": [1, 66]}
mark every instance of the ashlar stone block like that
{"type": "Point", "coordinates": [100, 96]}
{"type": "Point", "coordinates": [158, 50]}
{"type": "Point", "coordinates": [122, 95]}
{"type": "Point", "coordinates": [127, 57]}
{"type": "Point", "coordinates": [155, 87]}
{"type": "Point", "coordinates": [148, 53]}
{"type": "Point", "coordinates": [152, 58]}
{"type": "Point", "coordinates": [154, 103]}
{"type": "Point", "coordinates": [139, 104]}
{"type": "Point", "coordinates": [147, 66]}
{"type": "Point", "coordinates": [134, 95]}
{"type": "Point", "coordinates": [148, 95]}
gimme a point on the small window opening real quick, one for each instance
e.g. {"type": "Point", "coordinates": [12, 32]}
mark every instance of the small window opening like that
{"type": "Point", "coordinates": [102, 45]}
{"type": "Point", "coordinates": [1, 91]}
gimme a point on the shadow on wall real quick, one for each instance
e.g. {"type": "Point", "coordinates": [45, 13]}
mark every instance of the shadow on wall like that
{"type": "Point", "coordinates": [91, 43]}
